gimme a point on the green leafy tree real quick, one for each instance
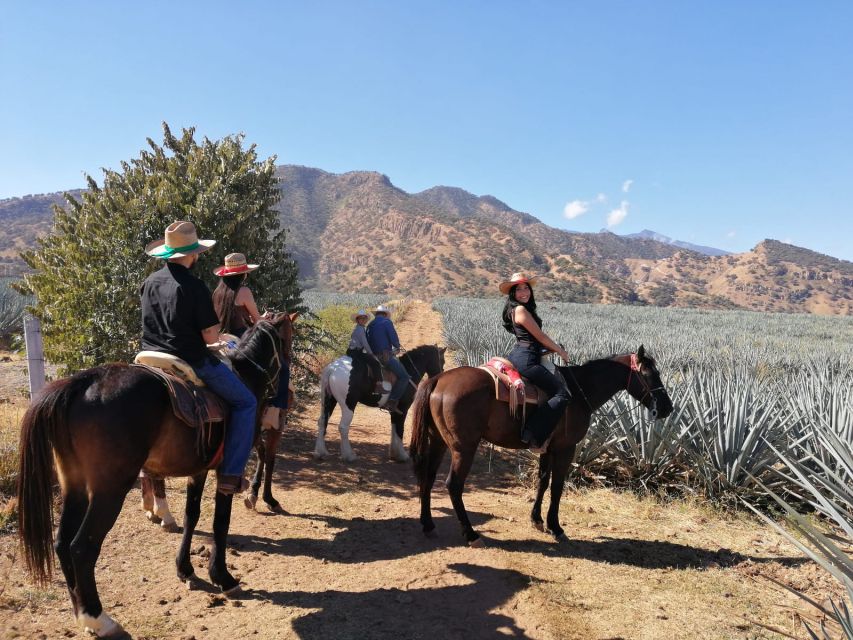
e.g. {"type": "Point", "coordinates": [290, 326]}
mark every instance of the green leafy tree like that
{"type": "Point", "coordinates": [87, 272]}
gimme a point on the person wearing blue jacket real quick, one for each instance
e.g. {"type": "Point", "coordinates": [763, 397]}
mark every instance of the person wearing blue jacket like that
{"type": "Point", "coordinates": [385, 344]}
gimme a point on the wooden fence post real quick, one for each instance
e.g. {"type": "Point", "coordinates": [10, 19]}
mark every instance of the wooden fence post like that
{"type": "Point", "coordinates": [35, 353]}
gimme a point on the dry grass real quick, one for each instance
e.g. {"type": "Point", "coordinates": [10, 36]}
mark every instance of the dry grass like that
{"type": "Point", "coordinates": [10, 418]}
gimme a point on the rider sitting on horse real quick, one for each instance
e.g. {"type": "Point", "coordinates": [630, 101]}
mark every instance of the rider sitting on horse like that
{"type": "Point", "coordinates": [359, 348]}
{"type": "Point", "coordinates": [233, 300]}
{"type": "Point", "coordinates": [384, 342]}
{"type": "Point", "coordinates": [520, 318]}
{"type": "Point", "coordinates": [236, 308]}
{"type": "Point", "coordinates": [178, 318]}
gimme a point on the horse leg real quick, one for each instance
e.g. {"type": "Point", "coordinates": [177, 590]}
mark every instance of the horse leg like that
{"type": "Point", "coordinates": [558, 480]}
{"type": "Point", "coordinates": [397, 451]}
{"type": "Point", "coordinates": [347, 454]}
{"type": "Point", "coordinates": [460, 465]}
{"type": "Point", "coordinates": [147, 496]}
{"type": "Point", "coordinates": [320, 450]}
{"type": "Point", "coordinates": [272, 437]}
{"type": "Point", "coordinates": [100, 517]}
{"type": "Point", "coordinates": [435, 454]}
{"type": "Point", "coordinates": [192, 510]}
{"type": "Point", "coordinates": [216, 567]}
{"type": "Point", "coordinates": [161, 510]}
{"type": "Point", "coordinates": [544, 479]}
{"type": "Point", "coordinates": [251, 498]}
{"type": "Point", "coordinates": [74, 505]}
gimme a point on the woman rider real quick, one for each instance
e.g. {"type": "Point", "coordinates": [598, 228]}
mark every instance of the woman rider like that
{"type": "Point", "coordinates": [232, 299]}
{"type": "Point", "coordinates": [520, 318]}
{"type": "Point", "coordinates": [236, 308]}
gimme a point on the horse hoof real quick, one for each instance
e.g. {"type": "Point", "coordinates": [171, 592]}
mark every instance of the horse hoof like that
{"type": "Point", "coordinates": [234, 592]}
{"type": "Point", "coordinates": [170, 527]}
{"type": "Point", "coordinates": [477, 543]}
{"type": "Point", "coordinates": [539, 526]}
{"type": "Point", "coordinates": [276, 508]}
{"type": "Point", "coordinates": [154, 519]}
{"type": "Point", "coordinates": [250, 502]}
{"type": "Point", "coordinates": [561, 537]}
{"type": "Point", "coordinates": [192, 583]}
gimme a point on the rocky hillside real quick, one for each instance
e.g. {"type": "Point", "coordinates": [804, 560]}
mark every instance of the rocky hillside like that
{"type": "Point", "coordinates": [358, 232]}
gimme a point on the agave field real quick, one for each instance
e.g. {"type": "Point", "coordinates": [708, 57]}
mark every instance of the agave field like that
{"type": "Point", "coordinates": [12, 306]}
{"type": "Point", "coordinates": [763, 408]}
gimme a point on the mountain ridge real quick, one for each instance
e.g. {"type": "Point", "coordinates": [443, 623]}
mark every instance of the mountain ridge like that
{"type": "Point", "coordinates": [357, 231]}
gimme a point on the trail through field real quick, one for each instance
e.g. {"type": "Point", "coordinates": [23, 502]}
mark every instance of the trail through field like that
{"type": "Point", "coordinates": [348, 559]}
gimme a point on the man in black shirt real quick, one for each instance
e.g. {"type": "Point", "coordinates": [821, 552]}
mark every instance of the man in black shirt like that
{"type": "Point", "coordinates": [178, 318]}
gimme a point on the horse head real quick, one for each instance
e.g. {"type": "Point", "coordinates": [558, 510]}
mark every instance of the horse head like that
{"type": "Point", "coordinates": [427, 358]}
{"type": "Point", "coordinates": [645, 385]}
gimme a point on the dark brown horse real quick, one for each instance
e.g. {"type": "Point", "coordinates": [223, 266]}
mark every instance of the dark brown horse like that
{"type": "Point", "coordinates": [154, 501]}
{"type": "Point", "coordinates": [101, 426]}
{"type": "Point", "coordinates": [458, 408]}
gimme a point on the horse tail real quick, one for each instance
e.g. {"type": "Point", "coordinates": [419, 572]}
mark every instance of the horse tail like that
{"type": "Point", "coordinates": [423, 427]}
{"type": "Point", "coordinates": [43, 424]}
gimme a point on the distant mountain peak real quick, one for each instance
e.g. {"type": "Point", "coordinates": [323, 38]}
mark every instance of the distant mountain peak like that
{"type": "Point", "coordinates": [648, 234]}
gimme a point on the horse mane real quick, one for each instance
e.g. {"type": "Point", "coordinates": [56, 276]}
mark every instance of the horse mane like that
{"type": "Point", "coordinates": [249, 343]}
{"type": "Point", "coordinates": [421, 349]}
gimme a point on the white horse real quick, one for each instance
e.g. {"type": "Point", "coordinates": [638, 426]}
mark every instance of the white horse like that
{"type": "Point", "coordinates": [346, 386]}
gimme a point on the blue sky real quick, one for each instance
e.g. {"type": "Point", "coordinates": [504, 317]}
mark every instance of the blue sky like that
{"type": "Point", "coordinates": [720, 123]}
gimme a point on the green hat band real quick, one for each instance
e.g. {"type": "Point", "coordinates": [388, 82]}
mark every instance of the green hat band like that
{"type": "Point", "coordinates": [166, 251]}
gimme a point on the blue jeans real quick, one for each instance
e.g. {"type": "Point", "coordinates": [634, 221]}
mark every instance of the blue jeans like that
{"type": "Point", "coordinates": [240, 432]}
{"type": "Point", "coordinates": [402, 378]}
{"type": "Point", "coordinates": [280, 399]}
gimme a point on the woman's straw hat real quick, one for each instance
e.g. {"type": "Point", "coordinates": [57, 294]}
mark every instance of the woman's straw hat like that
{"type": "Point", "coordinates": [516, 278]}
{"type": "Point", "coordinates": [235, 264]}
{"type": "Point", "coordinates": [361, 313]}
{"type": "Point", "coordinates": [179, 240]}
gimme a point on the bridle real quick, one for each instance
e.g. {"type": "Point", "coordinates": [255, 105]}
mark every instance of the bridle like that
{"type": "Point", "coordinates": [634, 368]}
{"type": "Point", "coordinates": [271, 386]}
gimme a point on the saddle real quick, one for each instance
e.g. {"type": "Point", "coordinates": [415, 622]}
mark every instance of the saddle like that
{"type": "Point", "coordinates": [192, 403]}
{"type": "Point", "coordinates": [510, 386]}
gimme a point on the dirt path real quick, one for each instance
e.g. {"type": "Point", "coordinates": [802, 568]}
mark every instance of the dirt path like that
{"type": "Point", "coordinates": [348, 559]}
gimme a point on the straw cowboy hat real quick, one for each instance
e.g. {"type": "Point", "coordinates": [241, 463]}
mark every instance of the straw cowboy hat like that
{"type": "Point", "coordinates": [235, 264]}
{"type": "Point", "coordinates": [361, 313]}
{"type": "Point", "coordinates": [516, 278]}
{"type": "Point", "coordinates": [382, 309]}
{"type": "Point", "coordinates": [179, 240]}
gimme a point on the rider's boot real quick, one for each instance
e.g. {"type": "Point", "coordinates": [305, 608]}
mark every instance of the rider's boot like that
{"type": "Point", "coordinates": [392, 407]}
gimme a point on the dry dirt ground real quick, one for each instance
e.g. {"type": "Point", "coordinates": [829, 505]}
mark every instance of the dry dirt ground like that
{"type": "Point", "coordinates": [348, 559]}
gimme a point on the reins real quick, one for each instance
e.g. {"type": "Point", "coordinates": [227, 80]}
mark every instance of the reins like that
{"type": "Point", "coordinates": [272, 380]}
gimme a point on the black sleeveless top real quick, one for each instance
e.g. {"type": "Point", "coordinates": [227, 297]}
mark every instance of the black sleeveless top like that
{"type": "Point", "coordinates": [523, 335]}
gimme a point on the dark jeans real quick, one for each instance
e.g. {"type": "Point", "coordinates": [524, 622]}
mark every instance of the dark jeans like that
{"type": "Point", "coordinates": [240, 434]}
{"type": "Point", "coordinates": [543, 421]}
{"type": "Point", "coordinates": [280, 399]}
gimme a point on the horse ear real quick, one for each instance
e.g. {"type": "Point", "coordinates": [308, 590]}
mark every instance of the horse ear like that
{"type": "Point", "coordinates": [293, 316]}
{"type": "Point", "coordinates": [442, 349]}
{"type": "Point", "coordinates": [641, 352]}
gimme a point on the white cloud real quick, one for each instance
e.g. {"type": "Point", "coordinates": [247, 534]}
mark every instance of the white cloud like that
{"type": "Point", "coordinates": [626, 186]}
{"type": "Point", "coordinates": [575, 208]}
{"type": "Point", "coordinates": [731, 234]}
{"type": "Point", "coordinates": [616, 216]}
{"type": "Point", "coordinates": [601, 198]}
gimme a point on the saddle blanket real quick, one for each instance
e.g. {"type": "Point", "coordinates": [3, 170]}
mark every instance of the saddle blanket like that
{"type": "Point", "coordinates": [510, 386]}
{"type": "Point", "coordinates": [196, 406]}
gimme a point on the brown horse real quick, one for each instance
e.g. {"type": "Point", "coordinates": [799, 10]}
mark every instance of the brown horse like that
{"type": "Point", "coordinates": [458, 408]}
{"type": "Point", "coordinates": [101, 426]}
{"type": "Point", "coordinates": [154, 501]}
